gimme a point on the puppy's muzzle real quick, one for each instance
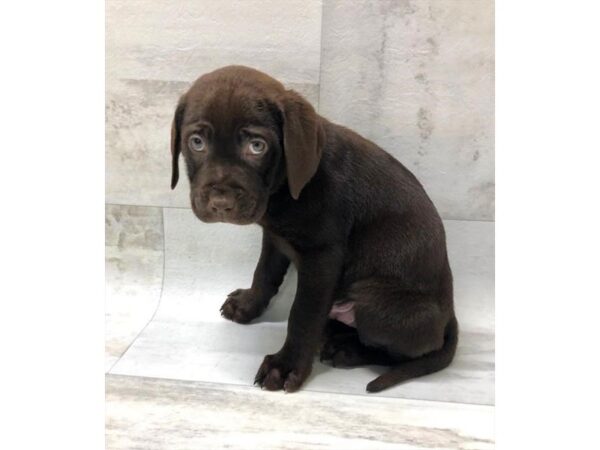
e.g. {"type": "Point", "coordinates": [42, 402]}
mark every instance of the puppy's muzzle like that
{"type": "Point", "coordinates": [223, 204]}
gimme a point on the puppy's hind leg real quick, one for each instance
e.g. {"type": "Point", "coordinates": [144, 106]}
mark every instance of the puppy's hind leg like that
{"type": "Point", "coordinates": [417, 330]}
{"type": "Point", "coordinates": [343, 348]}
{"type": "Point", "coordinates": [431, 362]}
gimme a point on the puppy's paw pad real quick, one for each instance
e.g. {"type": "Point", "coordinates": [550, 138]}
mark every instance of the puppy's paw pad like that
{"type": "Point", "coordinates": [273, 380]}
{"type": "Point", "coordinates": [293, 382]}
{"type": "Point", "coordinates": [233, 311]}
{"type": "Point", "coordinates": [274, 375]}
{"type": "Point", "coordinates": [240, 306]}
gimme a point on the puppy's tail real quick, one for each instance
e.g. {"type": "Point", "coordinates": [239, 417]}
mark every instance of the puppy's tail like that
{"type": "Point", "coordinates": [426, 364]}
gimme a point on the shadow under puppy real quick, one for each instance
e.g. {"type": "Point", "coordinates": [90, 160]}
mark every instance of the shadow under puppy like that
{"type": "Point", "coordinates": [374, 283]}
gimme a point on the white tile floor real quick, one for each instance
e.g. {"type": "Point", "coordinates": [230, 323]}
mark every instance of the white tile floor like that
{"type": "Point", "coordinates": [188, 348]}
{"type": "Point", "coordinates": [134, 273]}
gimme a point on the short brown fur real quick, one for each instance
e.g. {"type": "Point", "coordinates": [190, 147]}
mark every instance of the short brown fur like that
{"type": "Point", "coordinates": [355, 222]}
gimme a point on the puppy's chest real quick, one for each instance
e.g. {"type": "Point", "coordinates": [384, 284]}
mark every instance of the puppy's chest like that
{"type": "Point", "coordinates": [289, 237]}
{"type": "Point", "coordinates": [298, 229]}
{"type": "Point", "coordinates": [292, 228]}
{"type": "Point", "coordinates": [285, 247]}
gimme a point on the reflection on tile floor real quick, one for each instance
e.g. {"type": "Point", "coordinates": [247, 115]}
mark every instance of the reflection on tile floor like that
{"type": "Point", "coordinates": [189, 340]}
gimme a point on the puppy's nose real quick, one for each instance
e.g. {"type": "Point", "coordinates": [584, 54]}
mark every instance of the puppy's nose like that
{"type": "Point", "coordinates": [220, 203]}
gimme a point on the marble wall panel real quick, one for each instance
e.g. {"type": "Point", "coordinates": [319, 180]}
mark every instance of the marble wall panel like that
{"type": "Point", "coordinates": [155, 49]}
{"type": "Point", "coordinates": [178, 40]}
{"type": "Point", "coordinates": [416, 77]}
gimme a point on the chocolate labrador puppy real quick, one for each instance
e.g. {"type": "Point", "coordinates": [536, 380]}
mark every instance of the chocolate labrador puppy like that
{"type": "Point", "coordinates": [374, 283]}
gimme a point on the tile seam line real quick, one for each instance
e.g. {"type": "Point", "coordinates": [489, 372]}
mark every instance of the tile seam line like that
{"type": "Point", "coordinates": [191, 81]}
{"type": "Point", "coordinates": [162, 286]}
{"type": "Point", "coordinates": [320, 57]}
{"type": "Point", "coordinates": [249, 387]}
{"type": "Point", "coordinates": [189, 209]}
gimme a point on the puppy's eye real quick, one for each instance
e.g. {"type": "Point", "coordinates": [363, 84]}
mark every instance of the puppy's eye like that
{"type": "Point", "coordinates": [196, 143]}
{"type": "Point", "coordinates": [257, 146]}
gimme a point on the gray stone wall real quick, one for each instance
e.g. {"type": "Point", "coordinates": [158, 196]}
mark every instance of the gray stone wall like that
{"type": "Point", "coordinates": [414, 76]}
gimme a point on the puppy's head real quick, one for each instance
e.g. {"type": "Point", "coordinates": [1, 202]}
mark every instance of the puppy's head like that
{"type": "Point", "coordinates": [242, 135]}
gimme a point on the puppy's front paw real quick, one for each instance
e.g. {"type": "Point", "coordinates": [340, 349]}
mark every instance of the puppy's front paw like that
{"type": "Point", "coordinates": [277, 372]}
{"type": "Point", "coordinates": [242, 305]}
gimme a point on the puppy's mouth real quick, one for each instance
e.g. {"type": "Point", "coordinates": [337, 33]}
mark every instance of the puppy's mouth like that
{"type": "Point", "coordinates": [245, 212]}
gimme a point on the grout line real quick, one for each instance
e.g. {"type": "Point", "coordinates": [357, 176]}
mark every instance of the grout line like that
{"type": "Point", "coordinates": [320, 57]}
{"type": "Point", "coordinates": [248, 387]}
{"type": "Point", "coordinates": [162, 287]}
{"type": "Point", "coordinates": [468, 220]}
{"type": "Point", "coordinates": [147, 206]}
{"type": "Point", "coordinates": [447, 219]}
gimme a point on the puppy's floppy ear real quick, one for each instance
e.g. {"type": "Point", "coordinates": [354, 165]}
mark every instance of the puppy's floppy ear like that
{"type": "Point", "coordinates": [302, 141]}
{"type": "Point", "coordinates": [175, 142]}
